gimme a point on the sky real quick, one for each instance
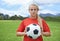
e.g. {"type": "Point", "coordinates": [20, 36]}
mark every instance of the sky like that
{"type": "Point", "coordinates": [20, 7]}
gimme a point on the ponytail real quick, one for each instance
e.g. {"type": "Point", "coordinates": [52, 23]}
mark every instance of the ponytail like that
{"type": "Point", "coordinates": [40, 22]}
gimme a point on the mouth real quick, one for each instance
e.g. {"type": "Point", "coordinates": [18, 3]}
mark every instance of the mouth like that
{"type": "Point", "coordinates": [33, 13]}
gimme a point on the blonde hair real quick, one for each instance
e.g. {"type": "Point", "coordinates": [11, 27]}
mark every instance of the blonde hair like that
{"type": "Point", "coordinates": [40, 22]}
{"type": "Point", "coordinates": [39, 18]}
{"type": "Point", "coordinates": [34, 5]}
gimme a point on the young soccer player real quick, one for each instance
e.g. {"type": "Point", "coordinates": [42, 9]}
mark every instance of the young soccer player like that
{"type": "Point", "coordinates": [34, 18]}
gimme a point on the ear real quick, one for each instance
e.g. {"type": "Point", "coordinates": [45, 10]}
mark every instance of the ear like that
{"type": "Point", "coordinates": [38, 9]}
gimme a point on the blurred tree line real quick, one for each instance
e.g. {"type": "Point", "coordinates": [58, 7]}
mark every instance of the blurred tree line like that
{"type": "Point", "coordinates": [15, 17]}
{"type": "Point", "coordinates": [7, 17]}
{"type": "Point", "coordinates": [48, 18]}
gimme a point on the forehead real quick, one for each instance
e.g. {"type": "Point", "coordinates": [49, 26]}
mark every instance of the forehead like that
{"type": "Point", "coordinates": [33, 6]}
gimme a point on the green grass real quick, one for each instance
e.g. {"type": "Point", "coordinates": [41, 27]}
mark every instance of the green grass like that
{"type": "Point", "coordinates": [55, 31]}
{"type": "Point", "coordinates": [8, 30]}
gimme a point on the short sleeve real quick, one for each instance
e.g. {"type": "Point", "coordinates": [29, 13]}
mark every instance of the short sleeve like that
{"type": "Point", "coordinates": [45, 26]}
{"type": "Point", "coordinates": [21, 27]}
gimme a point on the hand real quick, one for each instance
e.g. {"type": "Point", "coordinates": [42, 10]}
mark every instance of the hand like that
{"type": "Point", "coordinates": [25, 31]}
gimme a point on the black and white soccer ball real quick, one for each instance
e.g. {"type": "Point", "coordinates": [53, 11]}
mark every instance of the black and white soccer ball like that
{"type": "Point", "coordinates": [33, 31]}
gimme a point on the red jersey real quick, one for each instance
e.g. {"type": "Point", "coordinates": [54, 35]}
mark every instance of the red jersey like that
{"type": "Point", "coordinates": [28, 21]}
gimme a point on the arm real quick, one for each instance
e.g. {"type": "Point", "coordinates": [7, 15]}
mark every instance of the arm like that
{"type": "Point", "coordinates": [46, 34]}
{"type": "Point", "coordinates": [46, 29]}
{"type": "Point", "coordinates": [20, 33]}
{"type": "Point", "coordinates": [20, 30]}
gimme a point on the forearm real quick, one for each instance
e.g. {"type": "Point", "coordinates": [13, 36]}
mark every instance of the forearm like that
{"type": "Point", "coordinates": [20, 33]}
{"type": "Point", "coordinates": [46, 33]}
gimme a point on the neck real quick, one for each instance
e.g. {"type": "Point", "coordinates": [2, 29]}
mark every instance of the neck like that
{"type": "Point", "coordinates": [33, 17]}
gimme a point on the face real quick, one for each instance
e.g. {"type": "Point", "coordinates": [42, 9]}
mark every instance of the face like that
{"type": "Point", "coordinates": [33, 10]}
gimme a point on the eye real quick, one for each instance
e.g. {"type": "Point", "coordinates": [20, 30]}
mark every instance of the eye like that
{"type": "Point", "coordinates": [31, 9]}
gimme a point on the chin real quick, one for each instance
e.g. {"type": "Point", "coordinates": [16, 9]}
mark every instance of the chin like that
{"type": "Point", "coordinates": [34, 16]}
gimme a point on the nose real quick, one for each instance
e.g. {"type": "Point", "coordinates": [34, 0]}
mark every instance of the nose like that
{"type": "Point", "coordinates": [33, 11]}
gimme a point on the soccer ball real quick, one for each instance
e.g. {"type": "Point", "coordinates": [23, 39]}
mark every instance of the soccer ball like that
{"type": "Point", "coordinates": [33, 31]}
